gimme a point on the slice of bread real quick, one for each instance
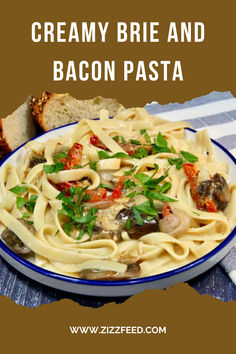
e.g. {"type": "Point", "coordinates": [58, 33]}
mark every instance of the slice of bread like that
{"type": "Point", "coordinates": [16, 129]}
{"type": "Point", "coordinates": [54, 110]}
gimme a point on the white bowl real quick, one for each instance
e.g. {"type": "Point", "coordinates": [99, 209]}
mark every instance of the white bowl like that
{"type": "Point", "coordinates": [124, 287]}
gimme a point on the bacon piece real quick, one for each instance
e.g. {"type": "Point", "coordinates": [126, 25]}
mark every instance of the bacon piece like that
{"type": "Point", "coordinates": [96, 195]}
{"type": "Point", "coordinates": [192, 172]}
{"type": "Point", "coordinates": [166, 211]}
{"type": "Point", "coordinates": [95, 141]}
{"type": "Point", "coordinates": [132, 149]}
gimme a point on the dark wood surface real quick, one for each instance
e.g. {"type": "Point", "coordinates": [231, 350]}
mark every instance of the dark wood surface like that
{"type": "Point", "coordinates": [29, 293]}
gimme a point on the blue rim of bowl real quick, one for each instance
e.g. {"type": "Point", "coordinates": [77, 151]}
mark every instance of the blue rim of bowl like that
{"type": "Point", "coordinates": [134, 281]}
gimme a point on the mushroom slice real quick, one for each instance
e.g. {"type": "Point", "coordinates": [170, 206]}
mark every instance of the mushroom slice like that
{"type": "Point", "coordinates": [216, 189]}
{"type": "Point", "coordinates": [133, 271]}
{"type": "Point", "coordinates": [36, 160]}
{"type": "Point", "coordinates": [14, 243]}
{"type": "Point", "coordinates": [136, 231]}
{"type": "Point", "coordinates": [176, 223]}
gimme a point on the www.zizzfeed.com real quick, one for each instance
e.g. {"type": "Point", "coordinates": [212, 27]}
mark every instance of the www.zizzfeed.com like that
{"type": "Point", "coordinates": [117, 330]}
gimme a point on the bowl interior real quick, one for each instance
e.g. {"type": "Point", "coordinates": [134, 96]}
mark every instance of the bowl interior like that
{"type": "Point", "coordinates": [221, 153]}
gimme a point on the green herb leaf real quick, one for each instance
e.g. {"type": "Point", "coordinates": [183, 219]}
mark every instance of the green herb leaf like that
{"type": "Point", "coordinates": [143, 131]}
{"type": "Point", "coordinates": [104, 155]}
{"type": "Point", "coordinates": [131, 195]}
{"type": "Point", "coordinates": [20, 202]}
{"type": "Point", "coordinates": [107, 186]}
{"type": "Point", "coordinates": [172, 149]}
{"type": "Point", "coordinates": [90, 227]}
{"type": "Point", "coordinates": [147, 138]}
{"type": "Point", "coordinates": [123, 140]}
{"type": "Point", "coordinates": [68, 227]}
{"type": "Point", "coordinates": [129, 184]}
{"type": "Point", "coordinates": [81, 234]}
{"type": "Point", "coordinates": [137, 216]}
{"type": "Point", "coordinates": [146, 208]}
{"type": "Point", "coordinates": [77, 166]}
{"type": "Point", "coordinates": [159, 196]}
{"type": "Point", "coordinates": [178, 162]}
{"type": "Point", "coordinates": [141, 153]}
{"type": "Point", "coordinates": [128, 224]}
{"type": "Point", "coordinates": [116, 137]}
{"type": "Point", "coordinates": [160, 140]}
{"type": "Point", "coordinates": [30, 205]}
{"type": "Point", "coordinates": [188, 156]}
{"type": "Point", "coordinates": [93, 165]}
{"type": "Point", "coordinates": [18, 189]}
{"type": "Point", "coordinates": [61, 155]}
{"type": "Point", "coordinates": [135, 142]}
{"type": "Point", "coordinates": [53, 168]}
{"type": "Point", "coordinates": [166, 186]}
{"type": "Point", "coordinates": [128, 173]}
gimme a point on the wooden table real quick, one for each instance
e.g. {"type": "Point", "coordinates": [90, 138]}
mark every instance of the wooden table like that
{"type": "Point", "coordinates": [29, 293]}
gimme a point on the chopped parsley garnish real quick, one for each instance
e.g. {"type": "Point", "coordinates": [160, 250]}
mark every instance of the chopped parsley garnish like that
{"type": "Point", "coordinates": [30, 205]}
{"type": "Point", "coordinates": [145, 135]}
{"type": "Point", "coordinates": [146, 208]}
{"type": "Point", "coordinates": [123, 140]}
{"type": "Point", "coordinates": [53, 168]}
{"type": "Point", "coordinates": [116, 137]}
{"type": "Point", "coordinates": [104, 155]}
{"type": "Point", "coordinates": [159, 196]}
{"type": "Point", "coordinates": [178, 162]}
{"type": "Point", "coordinates": [128, 224]}
{"type": "Point", "coordinates": [73, 210]}
{"type": "Point", "coordinates": [160, 140]}
{"type": "Point", "coordinates": [20, 202]}
{"type": "Point", "coordinates": [93, 165]}
{"type": "Point", "coordinates": [61, 155]}
{"type": "Point", "coordinates": [160, 144]}
{"type": "Point", "coordinates": [131, 195]}
{"type": "Point", "coordinates": [172, 149]}
{"type": "Point", "coordinates": [18, 189]}
{"type": "Point", "coordinates": [81, 234]}
{"type": "Point", "coordinates": [67, 227]}
{"type": "Point", "coordinates": [166, 186]}
{"type": "Point", "coordinates": [26, 217]}
{"type": "Point", "coordinates": [137, 216]}
{"type": "Point", "coordinates": [107, 186]}
{"type": "Point", "coordinates": [130, 172]}
{"type": "Point", "coordinates": [129, 184]}
{"type": "Point", "coordinates": [147, 138]}
{"type": "Point", "coordinates": [188, 156]}
{"type": "Point", "coordinates": [141, 153]}
{"type": "Point", "coordinates": [135, 142]}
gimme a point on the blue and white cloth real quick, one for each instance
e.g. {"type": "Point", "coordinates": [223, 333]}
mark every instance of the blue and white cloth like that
{"type": "Point", "coordinates": [216, 112]}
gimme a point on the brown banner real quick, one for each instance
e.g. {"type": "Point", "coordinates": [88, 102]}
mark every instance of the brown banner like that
{"type": "Point", "coordinates": [194, 323]}
{"type": "Point", "coordinates": [26, 66]}
{"type": "Point", "coordinates": [186, 322]}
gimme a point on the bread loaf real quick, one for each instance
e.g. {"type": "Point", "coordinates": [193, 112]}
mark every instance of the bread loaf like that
{"type": "Point", "coordinates": [16, 129]}
{"type": "Point", "coordinates": [54, 110]}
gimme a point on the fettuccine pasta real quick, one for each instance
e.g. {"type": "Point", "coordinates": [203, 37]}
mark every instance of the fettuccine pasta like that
{"type": "Point", "coordinates": [117, 198]}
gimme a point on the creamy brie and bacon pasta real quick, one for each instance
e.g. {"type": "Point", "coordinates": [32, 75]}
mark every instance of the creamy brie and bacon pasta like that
{"type": "Point", "coordinates": [117, 198]}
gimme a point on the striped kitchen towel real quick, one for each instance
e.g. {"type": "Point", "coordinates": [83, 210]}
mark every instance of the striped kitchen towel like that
{"type": "Point", "coordinates": [216, 112]}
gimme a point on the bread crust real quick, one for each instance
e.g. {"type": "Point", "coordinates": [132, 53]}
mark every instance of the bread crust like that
{"type": "Point", "coordinates": [4, 147]}
{"type": "Point", "coordinates": [37, 107]}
